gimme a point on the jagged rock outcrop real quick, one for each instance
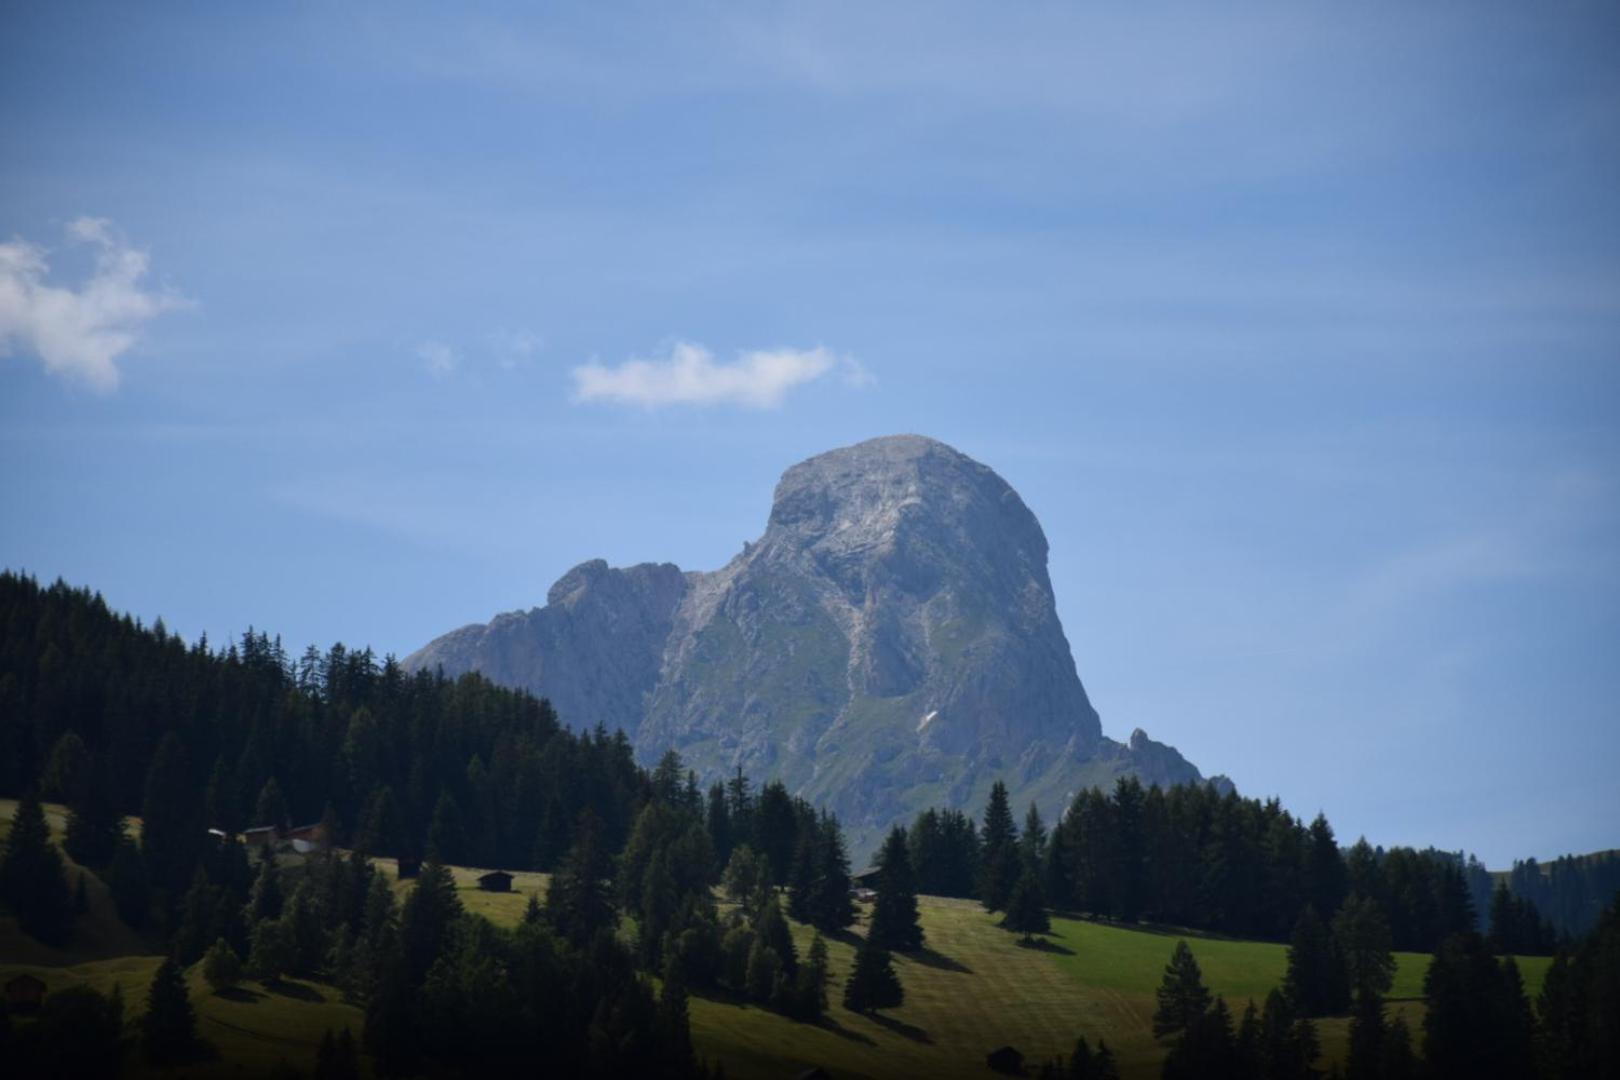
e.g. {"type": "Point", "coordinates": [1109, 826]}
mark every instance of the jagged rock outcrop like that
{"type": "Point", "coordinates": [890, 642]}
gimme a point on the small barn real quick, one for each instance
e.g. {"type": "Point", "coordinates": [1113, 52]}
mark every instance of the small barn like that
{"type": "Point", "coordinates": [409, 867]}
{"type": "Point", "coordinates": [866, 879]}
{"type": "Point", "coordinates": [24, 994]}
{"type": "Point", "coordinates": [495, 881]}
{"type": "Point", "coordinates": [1005, 1060]}
{"type": "Point", "coordinates": [308, 838]}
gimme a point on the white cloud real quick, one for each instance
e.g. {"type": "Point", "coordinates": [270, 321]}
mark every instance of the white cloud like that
{"type": "Point", "coordinates": [78, 333]}
{"type": "Point", "coordinates": [440, 359]}
{"type": "Point", "coordinates": [759, 379]}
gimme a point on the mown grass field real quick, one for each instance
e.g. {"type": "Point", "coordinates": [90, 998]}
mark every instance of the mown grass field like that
{"type": "Point", "coordinates": [973, 989]}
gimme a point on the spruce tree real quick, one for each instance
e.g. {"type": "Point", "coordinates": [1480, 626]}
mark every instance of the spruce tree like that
{"type": "Point", "coordinates": [171, 829]}
{"type": "Point", "coordinates": [872, 983]}
{"type": "Point", "coordinates": [222, 968]}
{"type": "Point", "coordinates": [1365, 1060]}
{"type": "Point", "coordinates": [94, 825]}
{"type": "Point", "coordinates": [33, 878]}
{"type": "Point", "coordinates": [773, 930]}
{"type": "Point", "coordinates": [270, 808]}
{"type": "Point", "coordinates": [998, 868]}
{"type": "Point", "coordinates": [126, 881]}
{"type": "Point", "coordinates": [831, 909]}
{"type": "Point", "coordinates": [579, 901]}
{"type": "Point", "coordinates": [169, 1028]}
{"type": "Point", "coordinates": [447, 840]}
{"type": "Point", "coordinates": [1026, 907]}
{"type": "Point", "coordinates": [1316, 983]}
{"type": "Point", "coordinates": [1182, 999]}
{"type": "Point", "coordinates": [426, 920]}
{"type": "Point", "coordinates": [1361, 934]}
{"type": "Point", "coordinates": [674, 1023]}
{"type": "Point", "coordinates": [895, 924]}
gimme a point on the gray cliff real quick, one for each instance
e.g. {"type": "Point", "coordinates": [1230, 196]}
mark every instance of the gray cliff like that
{"type": "Point", "coordinates": [890, 642]}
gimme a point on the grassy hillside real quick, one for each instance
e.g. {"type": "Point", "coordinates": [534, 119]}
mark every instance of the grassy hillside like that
{"type": "Point", "coordinates": [974, 989]}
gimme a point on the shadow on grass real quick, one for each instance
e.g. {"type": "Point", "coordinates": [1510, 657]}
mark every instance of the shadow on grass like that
{"type": "Point", "coordinates": [933, 959]}
{"type": "Point", "coordinates": [827, 1023]}
{"type": "Point", "coordinates": [1041, 944]}
{"type": "Point", "coordinates": [238, 993]}
{"type": "Point", "coordinates": [900, 1027]}
{"type": "Point", "coordinates": [1157, 929]}
{"type": "Point", "coordinates": [294, 990]}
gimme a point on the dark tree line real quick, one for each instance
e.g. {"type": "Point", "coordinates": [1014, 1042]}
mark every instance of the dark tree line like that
{"type": "Point", "coordinates": [1193, 856]}
{"type": "Point", "coordinates": [1570, 892]}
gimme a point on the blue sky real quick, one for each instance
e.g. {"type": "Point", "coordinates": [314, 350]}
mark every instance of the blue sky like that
{"type": "Point", "coordinates": [1298, 329]}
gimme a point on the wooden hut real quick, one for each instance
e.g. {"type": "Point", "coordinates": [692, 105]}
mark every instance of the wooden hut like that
{"type": "Point", "coordinates": [495, 881]}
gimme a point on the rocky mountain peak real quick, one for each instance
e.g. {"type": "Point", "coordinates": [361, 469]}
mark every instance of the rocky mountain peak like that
{"type": "Point", "coordinates": [891, 640]}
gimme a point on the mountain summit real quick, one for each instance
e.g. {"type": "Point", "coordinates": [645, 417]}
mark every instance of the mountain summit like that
{"type": "Point", "coordinates": [890, 642]}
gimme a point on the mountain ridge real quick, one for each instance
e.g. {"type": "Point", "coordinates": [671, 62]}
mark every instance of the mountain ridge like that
{"type": "Point", "coordinates": [890, 641]}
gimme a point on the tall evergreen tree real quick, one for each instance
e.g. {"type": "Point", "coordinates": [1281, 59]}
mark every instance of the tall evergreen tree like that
{"type": "Point", "coordinates": [830, 906]}
{"type": "Point", "coordinates": [872, 983]}
{"type": "Point", "coordinates": [169, 1028]}
{"type": "Point", "coordinates": [1026, 907]}
{"type": "Point", "coordinates": [895, 923]}
{"type": "Point", "coordinates": [998, 851]}
{"type": "Point", "coordinates": [171, 830]}
{"type": "Point", "coordinates": [94, 825]}
{"type": "Point", "coordinates": [427, 919]}
{"type": "Point", "coordinates": [33, 878]}
{"type": "Point", "coordinates": [579, 901]}
{"type": "Point", "coordinates": [1365, 1060]}
{"type": "Point", "coordinates": [1316, 983]}
{"type": "Point", "coordinates": [1361, 934]}
{"type": "Point", "coordinates": [1182, 999]}
{"type": "Point", "coordinates": [127, 882]}
{"type": "Point", "coordinates": [270, 808]}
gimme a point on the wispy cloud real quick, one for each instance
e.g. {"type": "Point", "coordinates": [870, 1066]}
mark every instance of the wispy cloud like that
{"type": "Point", "coordinates": [79, 333]}
{"type": "Point", "coordinates": [439, 359]}
{"type": "Point", "coordinates": [758, 379]}
{"type": "Point", "coordinates": [515, 347]}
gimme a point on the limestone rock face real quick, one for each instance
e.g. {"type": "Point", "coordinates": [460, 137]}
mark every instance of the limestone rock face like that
{"type": "Point", "coordinates": [890, 642]}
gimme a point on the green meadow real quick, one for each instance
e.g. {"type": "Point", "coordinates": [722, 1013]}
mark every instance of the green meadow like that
{"type": "Point", "coordinates": [974, 988]}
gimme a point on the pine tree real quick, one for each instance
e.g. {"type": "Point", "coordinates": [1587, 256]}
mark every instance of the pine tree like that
{"type": "Point", "coordinates": [998, 851]}
{"type": "Point", "coordinates": [746, 880]}
{"type": "Point", "coordinates": [126, 881]}
{"type": "Point", "coordinates": [773, 930]}
{"type": "Point", "coordinates": [579, 901]}
{"type": "Point", "coordinates": [830, 906]}
{"type": "Point", "coordinates": [171, 832]}
{"type": "Point", "coordinates": [270, 808]}
{"type": "Point", "coordinates": [1367, 1033]}
{"type": "Point", "coordinates": [802, 876]}
{"type": "Point", "coordinates": [33, 878]}
{"type": "Point", "coordinates": [447, 840]}
{"type": "Point", "coordinates": [1181, 995]}
{"type": "Point", "coordinates": [1316, 983]}
{"type": "Point", "coordinates": [872, 983]}
{"type": "Point", "coordinates": [674, 1023]}
{"type": "Point", "coordinates": [266, 901]}
{"type": "Point", "coordinates": [94, 825]}
{"type": "Point", "coordinates": [430, 912]}
{"type": "Point", "coordinates": [169, 1028]}
{"type": "Point", "coordinates": [1361, 934]}
{"type": "Point", "coordinates": [1026, 907]}
{"type": "Point", "coordinates": [895, 923]}
{"type": "Point", "coordinates": [221, 966]}
{"type": "Point", "coordinates": [1032, 844]}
